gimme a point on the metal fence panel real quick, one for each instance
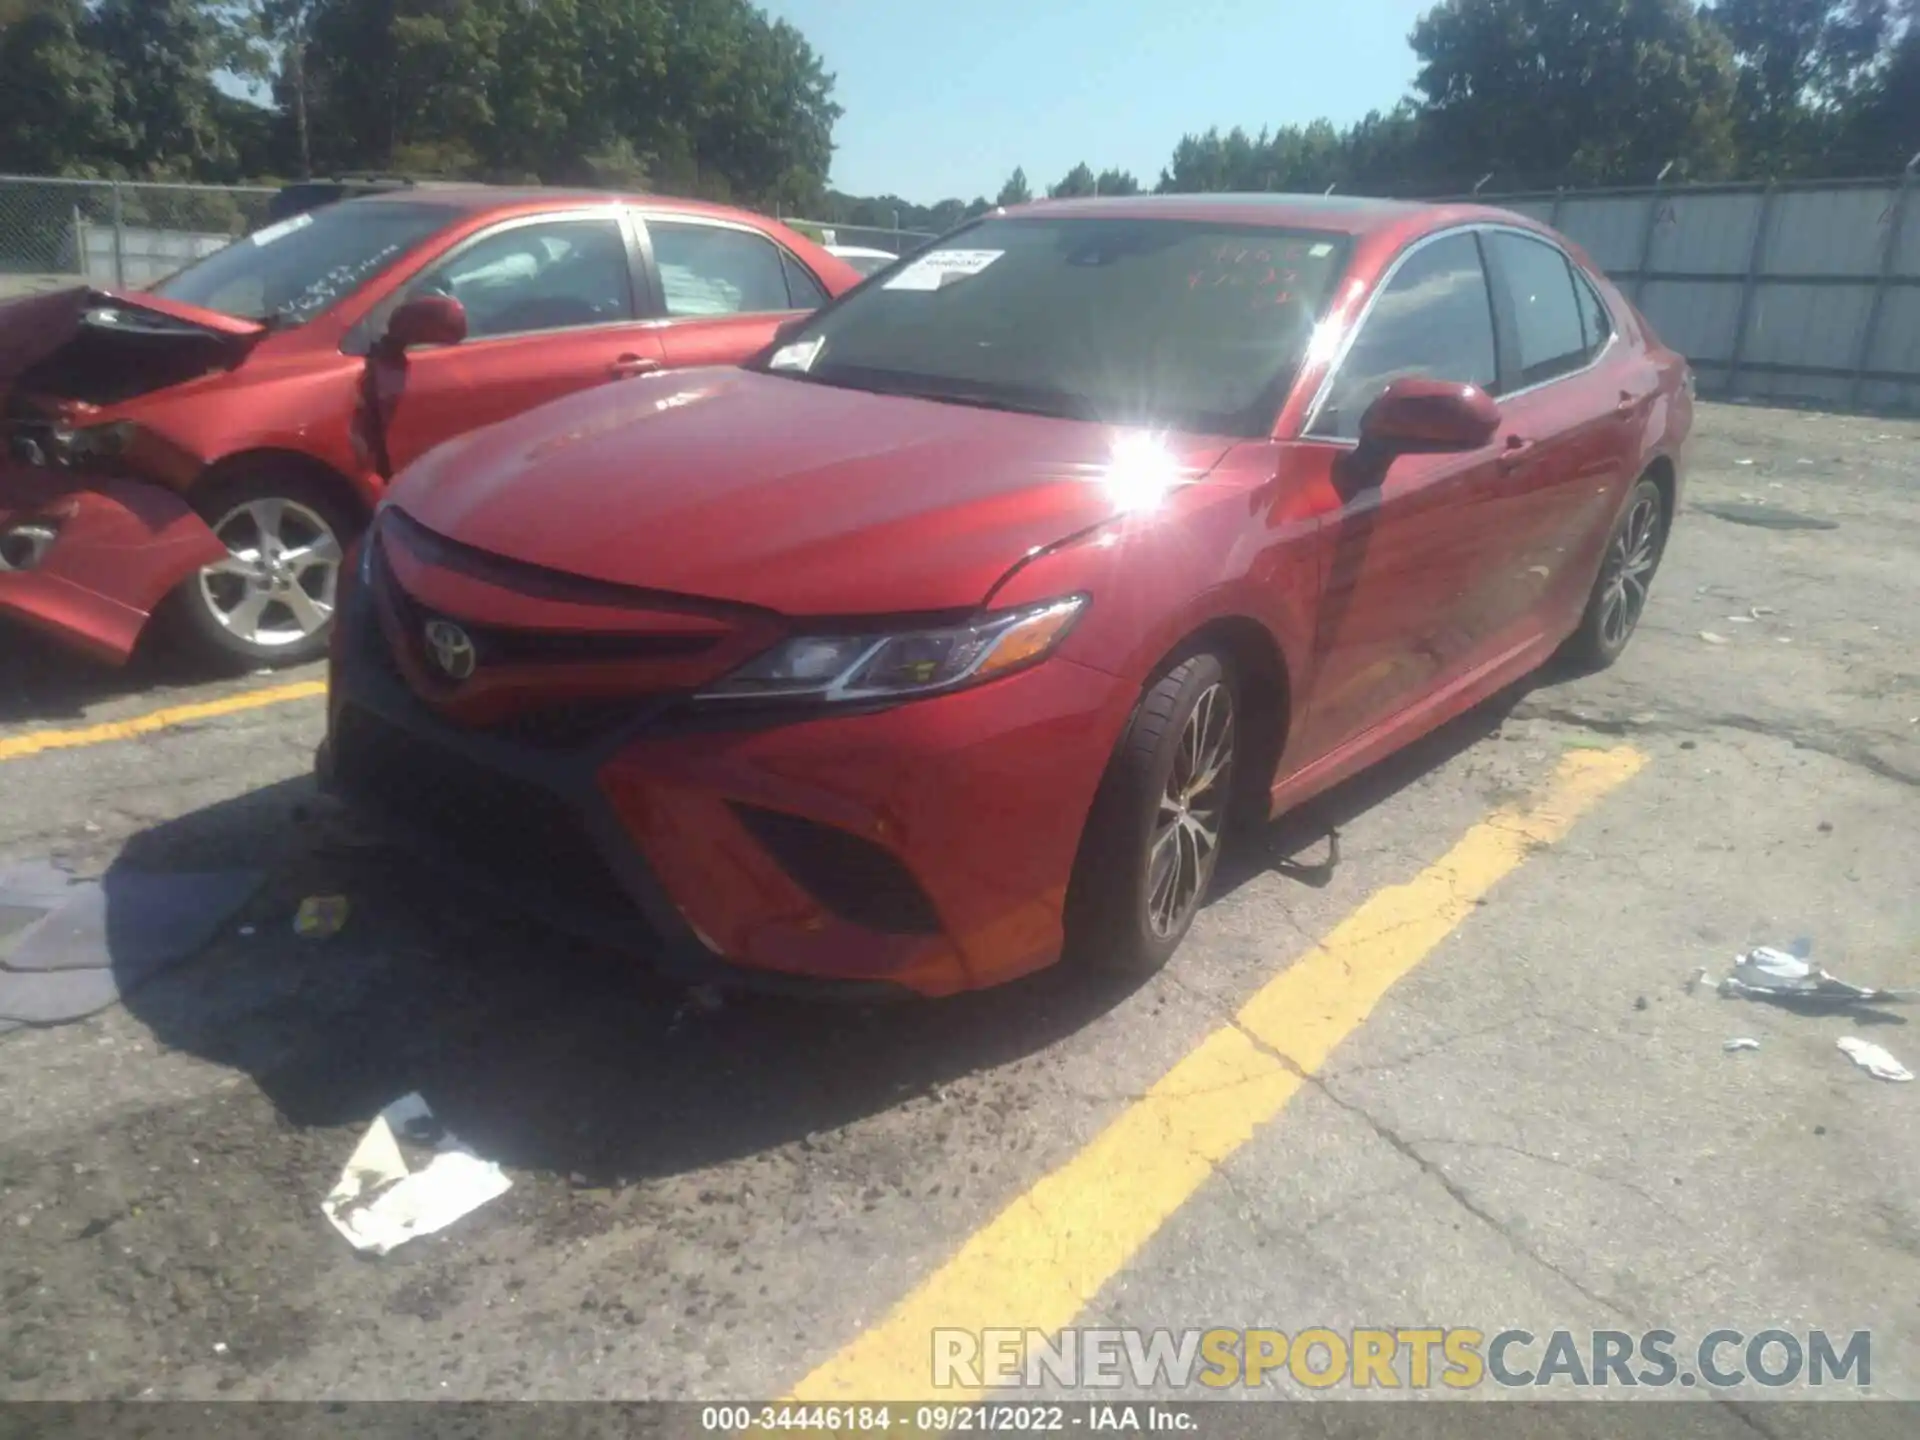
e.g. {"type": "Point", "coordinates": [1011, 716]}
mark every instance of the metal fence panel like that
{"type": "Point", "coordinates": [1607, 227]}
{"type": "Point", "coordinates": [1807, 327]}
{"type": "Point", "coordinates": [1828, 232]}
{"type": "Point", "coordinates": [1693, 318]}
{"type": "Point", "coordinates": [1709, 234]}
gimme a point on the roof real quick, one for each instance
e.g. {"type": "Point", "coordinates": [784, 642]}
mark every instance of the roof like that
{"type": "Point", "coordinates": [1352, 214]}
{"type": "Point", "coordinates": [474, 198]}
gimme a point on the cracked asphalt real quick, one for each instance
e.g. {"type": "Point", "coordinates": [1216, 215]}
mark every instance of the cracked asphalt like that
{"type": "Point", "coordinates": [1537, 1127]}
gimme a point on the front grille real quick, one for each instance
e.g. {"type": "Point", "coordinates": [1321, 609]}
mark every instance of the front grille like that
{"type": "Point", "coordinates": [572, 726]}
{"type": "Point", "coordinates": [501, 827]}
{"type": "Point", "coordinates": [857, 880]}
{"type": "Point", "coordinates": [568, 725]}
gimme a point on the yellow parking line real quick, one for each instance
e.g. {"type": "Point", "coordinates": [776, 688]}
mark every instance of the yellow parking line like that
{"type": "Point", "coordinates": [18, 747]}
{"type": "Point", "coordinates": [1046, 1255]}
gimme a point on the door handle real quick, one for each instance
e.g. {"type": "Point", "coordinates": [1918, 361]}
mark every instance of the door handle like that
{"type": "Point", "coordinates": [627, 366]}
{"type": "Point", "coordinates": [1629, 402]}
{"type": "Point", "coordinates": [1518, 448]}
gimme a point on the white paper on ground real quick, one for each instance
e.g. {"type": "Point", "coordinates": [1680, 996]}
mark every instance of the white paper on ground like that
{"type": "Point", "coordinates": [942, 267]}
{"type": "Point", "coordinates": [379, 1204]}
{"type": "Point", "coordinates": [1874, 1060]}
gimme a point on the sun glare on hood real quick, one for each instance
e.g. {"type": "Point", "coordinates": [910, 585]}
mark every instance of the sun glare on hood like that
{"type": "Point", "coordinates": [1139, 472]}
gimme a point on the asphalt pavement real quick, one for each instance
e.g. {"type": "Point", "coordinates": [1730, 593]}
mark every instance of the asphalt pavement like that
{"type": "Point", "coordinates": [1428, 1059]}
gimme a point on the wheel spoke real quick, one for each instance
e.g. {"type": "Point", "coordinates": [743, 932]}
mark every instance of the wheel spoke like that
{"type": "Point", "coordinates": [310, 614]}
{"type": "Point", "coordinates": [323, 549]}
{"type": "Point", "coordinates": [244, 618]}
{"type": "Point", "coordinates": [235, 563]}
{"type": "Point", "coordinates": [267, 515]}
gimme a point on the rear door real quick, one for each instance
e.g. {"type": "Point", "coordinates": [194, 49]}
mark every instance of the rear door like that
{"type": "Point", "coordinates": [1572, 400]}
{"type": "Point", "coordinates": [721, 288]}
{"type": "Point", "coordinates": [552, 306]}
{"type": "Point", "coordinates": [1411, 549]}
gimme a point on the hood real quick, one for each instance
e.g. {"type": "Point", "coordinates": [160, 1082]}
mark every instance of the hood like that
{"type": "Point", "coordinates": [113, 345]}
{"type": "Point", "coordinates": [781, 493]}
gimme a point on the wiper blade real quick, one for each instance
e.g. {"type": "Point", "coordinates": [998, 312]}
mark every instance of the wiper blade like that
{"type": "Point", "coordinates": [1017, 404]}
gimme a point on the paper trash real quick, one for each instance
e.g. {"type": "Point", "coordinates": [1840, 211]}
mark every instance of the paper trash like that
{"type": "Point", "coordinates": [1764, 973]}
{"type": "Point", "coordinates": [1875, 1061]}
{"type": "Point", "coordinates": [380, 1203]}
{"type": "Point", "coordinates": [1743, 1042]}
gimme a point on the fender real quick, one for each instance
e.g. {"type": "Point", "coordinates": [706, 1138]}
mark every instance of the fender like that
{"type": "Point", "coordinates": [119, 546]}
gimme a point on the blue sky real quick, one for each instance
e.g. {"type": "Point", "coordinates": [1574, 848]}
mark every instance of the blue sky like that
{"type": "Point", "coordinates": [945, 97]}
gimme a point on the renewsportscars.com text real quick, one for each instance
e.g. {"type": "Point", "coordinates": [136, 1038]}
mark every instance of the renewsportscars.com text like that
{"type": "Point", "coordinates": [1401, 1357]}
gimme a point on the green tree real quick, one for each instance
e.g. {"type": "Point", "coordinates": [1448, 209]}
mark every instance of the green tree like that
{"type": "Point", "coordinates": [1079, 180]}
{"type": "Point", "coordinates": [1883, 132]}
{"type": "Point", "coordinates": [162, 55]}
{"type": "Point", "coordinates": [56, 93]}
{"type": "Point", "coordinates": [1603, 90]}
{"type": "Point", "coordinates": [1116, 182]}
{"type": "Point", "coordinates": [1805, 68]}
{"type": "Point", "coordinates": [1016, 191]}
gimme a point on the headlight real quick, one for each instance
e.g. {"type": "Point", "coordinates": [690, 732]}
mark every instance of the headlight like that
{"type": "Point", "coordinates": [878, 665]}
{"type": "Point", "coordinates": [96, 442]}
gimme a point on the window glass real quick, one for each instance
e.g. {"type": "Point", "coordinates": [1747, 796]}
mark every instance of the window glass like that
{"type": "Point", "coordinates": [1433, 321]}
{"type": "Point", "coordinates": [290, 272]}
{"type": "Point", "coordinates": [1546, 313]}
{"type": "Point", "coordinates": [551, 275]}
{"type": "Point", "coordinates": [1595, 323]}
{"type": "Point", "coordinates": [712, 270]}
{"type": "Point", "coordinates": [1184, 324]}
{"type": "Point", "coordinates": [803, 291]}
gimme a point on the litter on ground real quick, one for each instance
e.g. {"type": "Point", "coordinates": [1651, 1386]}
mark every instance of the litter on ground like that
{"type": "Point", "coordinates": [1764, 973]}
{"type": "Point", "coordinates": [380, 1202]}
{"type": "Point", "coordinates": [320, 917]}
{"type": "Point", "coordinates": [1743, 1042]}
{"type": "Point", "coordinates": [1874, 1060]}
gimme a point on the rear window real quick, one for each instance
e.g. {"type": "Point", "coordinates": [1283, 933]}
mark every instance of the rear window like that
{"type": "Point", "coordinates": [1169, 323]}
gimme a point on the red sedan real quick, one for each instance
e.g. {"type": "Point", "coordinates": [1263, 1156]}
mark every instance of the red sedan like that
{"type": "Point", "coordinates": [223, 437]}
{"type": "Point", "coordinates": [947, 635]}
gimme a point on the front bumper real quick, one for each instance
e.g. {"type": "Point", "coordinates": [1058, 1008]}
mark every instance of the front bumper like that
{"type": "Point", "coordinates": [118, 547]}
{"type": "Point", "coordinates": [737, 847]}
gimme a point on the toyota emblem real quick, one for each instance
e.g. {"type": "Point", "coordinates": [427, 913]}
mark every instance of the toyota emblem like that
{"type": "Point", "coordinates": [451, 648]}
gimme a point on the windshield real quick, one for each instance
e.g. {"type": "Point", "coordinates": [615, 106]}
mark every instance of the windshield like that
{"type": "Point", "coordinates": [290, 272]}
{"type": "Point", "coordinates": [1170, 323]}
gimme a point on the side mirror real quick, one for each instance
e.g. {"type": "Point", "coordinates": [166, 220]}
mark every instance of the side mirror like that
{"type": "Point", "coordinates": [426, 320]}
{"type": "Point", "coordinates": [787, 329]}
{"type": "Point", "coordinates": [1414, 414]}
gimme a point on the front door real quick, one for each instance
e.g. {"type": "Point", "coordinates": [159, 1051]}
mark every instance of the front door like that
{"type": "Point", "coordinates": [1408, 554]}
{"type": "Point", "coordinates": [550, 310]}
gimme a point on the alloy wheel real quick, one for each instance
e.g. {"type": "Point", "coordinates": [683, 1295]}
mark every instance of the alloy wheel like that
{"type": "Point", "coordinates": [1631, 559]}
{"type": "Point", "coordinates": [278, 583]}
{"type": "Point", "coordinates": [1186, 833]}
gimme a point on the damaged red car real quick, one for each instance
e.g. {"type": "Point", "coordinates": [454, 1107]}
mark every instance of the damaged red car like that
{"type": "Point", "coordinates": [947, 636]}
{"type": "Point", "coordinates": [218, 441]}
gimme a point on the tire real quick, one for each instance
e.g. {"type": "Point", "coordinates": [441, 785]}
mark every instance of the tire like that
{"type": "Point", "coordinates": [1619, 595]}
{"type": "Point", "coordinates": [1153, 835]}
{"type": "Point", "coordinates": [271, 602]}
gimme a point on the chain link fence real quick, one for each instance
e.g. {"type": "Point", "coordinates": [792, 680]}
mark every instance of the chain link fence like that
{"type": "Point", "coordinates": [108, 232]}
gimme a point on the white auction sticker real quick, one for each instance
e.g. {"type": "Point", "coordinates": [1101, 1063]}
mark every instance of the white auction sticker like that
{"type": "Point", "coordinates": [282, 230]}
{"type": "Point", "coordinates": [942, 268]}
{"type": "Point", "coordinates": [798, 356]}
